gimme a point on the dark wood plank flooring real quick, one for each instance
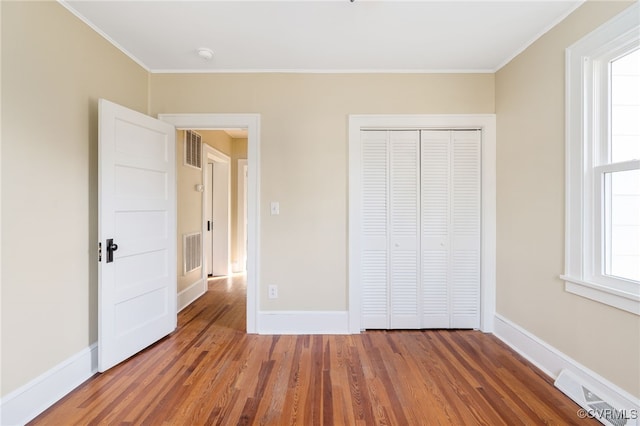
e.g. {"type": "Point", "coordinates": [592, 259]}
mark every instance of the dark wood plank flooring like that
{"type": "Point", "coordinates": [209, 372]}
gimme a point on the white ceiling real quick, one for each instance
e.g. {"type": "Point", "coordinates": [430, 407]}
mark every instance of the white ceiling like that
{"type": "Point", "coordinates": [322, 36]}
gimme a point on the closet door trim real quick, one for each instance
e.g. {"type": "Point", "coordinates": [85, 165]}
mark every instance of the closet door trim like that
{"type": "Point", "coordinates": [484, 122]}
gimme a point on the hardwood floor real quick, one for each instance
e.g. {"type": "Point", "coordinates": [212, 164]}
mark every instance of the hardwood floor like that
{"type": "Point", "coordinates": [209, 372]}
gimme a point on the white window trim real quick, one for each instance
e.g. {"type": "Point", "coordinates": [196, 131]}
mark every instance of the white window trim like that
{"type": "Point", "coordinates": [582, 61]}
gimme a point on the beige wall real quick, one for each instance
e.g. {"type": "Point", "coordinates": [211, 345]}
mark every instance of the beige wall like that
{"type": "Point", "coordinates": [304, 158]}
{"type": "Point", "coordinates": [217, 139]}
{"type": "Point", "coordinates": [530, 211]}
{"type": "Point", "coordinates": [189, 214]}
{"type": "Point", "coordinates": [54, 69]}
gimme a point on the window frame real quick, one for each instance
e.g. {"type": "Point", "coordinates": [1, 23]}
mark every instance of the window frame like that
{"type": "Point", "coordinates": [588, 160]}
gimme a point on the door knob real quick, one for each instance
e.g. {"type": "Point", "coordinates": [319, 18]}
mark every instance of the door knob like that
{"type": "Point", "coordinates": [111, 247]}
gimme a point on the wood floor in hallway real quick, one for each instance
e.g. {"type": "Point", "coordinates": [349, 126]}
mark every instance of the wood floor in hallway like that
{"type": "Point", "coordinates": [210, 372]}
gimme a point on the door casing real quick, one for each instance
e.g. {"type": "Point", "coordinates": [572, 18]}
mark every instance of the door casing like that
{"type": "Point", "coordinates": [251, 122]}
{"type": "Point", "coordinates": [484, 122]}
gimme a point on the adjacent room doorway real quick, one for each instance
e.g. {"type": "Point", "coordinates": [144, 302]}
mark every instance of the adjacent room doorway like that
{"type": "Point", "coordinates": [216, 213]}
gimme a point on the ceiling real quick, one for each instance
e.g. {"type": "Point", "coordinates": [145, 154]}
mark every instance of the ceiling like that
{"type": "Point", "coordinates": [237, 133]}
{"type": "Point", "coordinates": [322, 36]}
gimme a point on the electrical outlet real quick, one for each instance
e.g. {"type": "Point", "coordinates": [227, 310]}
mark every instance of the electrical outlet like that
{"type": "Point", "coordinates": [273, 292]}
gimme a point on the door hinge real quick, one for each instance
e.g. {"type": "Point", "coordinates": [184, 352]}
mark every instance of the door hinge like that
{"type": "Point", "coordinates": [99, 252]}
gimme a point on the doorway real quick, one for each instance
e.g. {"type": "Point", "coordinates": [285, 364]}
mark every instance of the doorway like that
{"type": "Point", "coordinates": [484, 122]}
{"type": "Point", "coordinates": [216, 214]}
{"type": "Point", "coordinates": [250, 122]}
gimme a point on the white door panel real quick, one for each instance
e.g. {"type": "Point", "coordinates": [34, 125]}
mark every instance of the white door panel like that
{"type": "Point", "coordinates": [435, 233]}
{"type": "Point", "coordinates": [220, 214]}
{"type": "Point", "coordinates": [451, 250]}
{"type": "Point", "coordinates": [137, 290]}
{"type": "Point", "coordinates": [405, 303]}
{"type": "Point", "coordinates": [374, 263]}
{"type": "Point", "coordinates": [465, 229]}
{"type": "Point", "coordinates": [465, 289]}
{"type": "Point", "coordinates": [435, 288]}
{"type": "Point", "coordinates": [208, 217]}
{"type": "Point", "coordinates": [375, 295]}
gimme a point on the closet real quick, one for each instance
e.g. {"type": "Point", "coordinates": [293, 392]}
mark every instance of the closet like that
{"type": "Point", "coordinates": [420, 228]}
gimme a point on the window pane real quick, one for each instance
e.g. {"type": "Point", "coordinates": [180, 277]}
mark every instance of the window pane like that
{"type": "Point", "coordinates": [622, 228]}
{"type": "Point", "coordinates": [625, 107]}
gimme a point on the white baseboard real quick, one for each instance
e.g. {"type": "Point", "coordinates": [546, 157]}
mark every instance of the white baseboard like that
{"type": "Point", "coordinates": [28, 401]}
{"type": "Point", "coordinates": [191, 293]}
{"type": "Point", "coordinates": [303, 322]}
{"type": "Point", "coordinates": [551, 361]}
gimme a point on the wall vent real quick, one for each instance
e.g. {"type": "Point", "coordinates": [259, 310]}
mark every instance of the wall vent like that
{"type": "Point", "coordinates": [191, 252]}
{"type": "Point", "coordinates": [596, 401]}
{"type": "Point", "coordinates": [192, 149]}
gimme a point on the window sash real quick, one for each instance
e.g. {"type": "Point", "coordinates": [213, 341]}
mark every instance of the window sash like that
{"type": "Point", "coordinates": [600, 224]}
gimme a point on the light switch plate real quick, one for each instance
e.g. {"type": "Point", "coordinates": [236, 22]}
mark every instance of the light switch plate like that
{"type": "Point", "coordinates": [275, 208]}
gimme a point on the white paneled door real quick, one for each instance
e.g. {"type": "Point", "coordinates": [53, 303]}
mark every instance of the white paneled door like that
{"type": "Point", "coordinates": [420, 257]}
{"type": "Point", "coordinates": [221, 248]}
{"type": "Point", "coordinates": [137, 233]}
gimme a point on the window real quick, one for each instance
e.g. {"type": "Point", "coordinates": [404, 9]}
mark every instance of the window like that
{"type": "Point", "coordinates": [602, 259]}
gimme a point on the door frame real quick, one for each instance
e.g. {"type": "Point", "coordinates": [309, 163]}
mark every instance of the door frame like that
{"type": "Point", "coordinates": [251, 122]}
{"type": "Point", "coordinates": [487, 124]}
{"type": "Point", "coordinates": [212, 155]}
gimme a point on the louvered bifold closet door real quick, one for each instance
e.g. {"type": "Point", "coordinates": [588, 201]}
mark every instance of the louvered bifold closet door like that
{"type": "Point", "coordinates": [374, 272]}
{"type": "Point", "coordinates": [465, 229]}
{"type": "Point", "coordinates": [420, 255]}
{"type": "Point", "coordinates": [450, 237]}
{"type": "Point", "coordinates": [404, 223]}
{"type": "Point", "coordinates": [435, 235]}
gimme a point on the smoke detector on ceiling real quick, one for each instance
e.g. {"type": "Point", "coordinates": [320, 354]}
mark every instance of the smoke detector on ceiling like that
{"type": "Point", "coordinates": [205, 54]}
